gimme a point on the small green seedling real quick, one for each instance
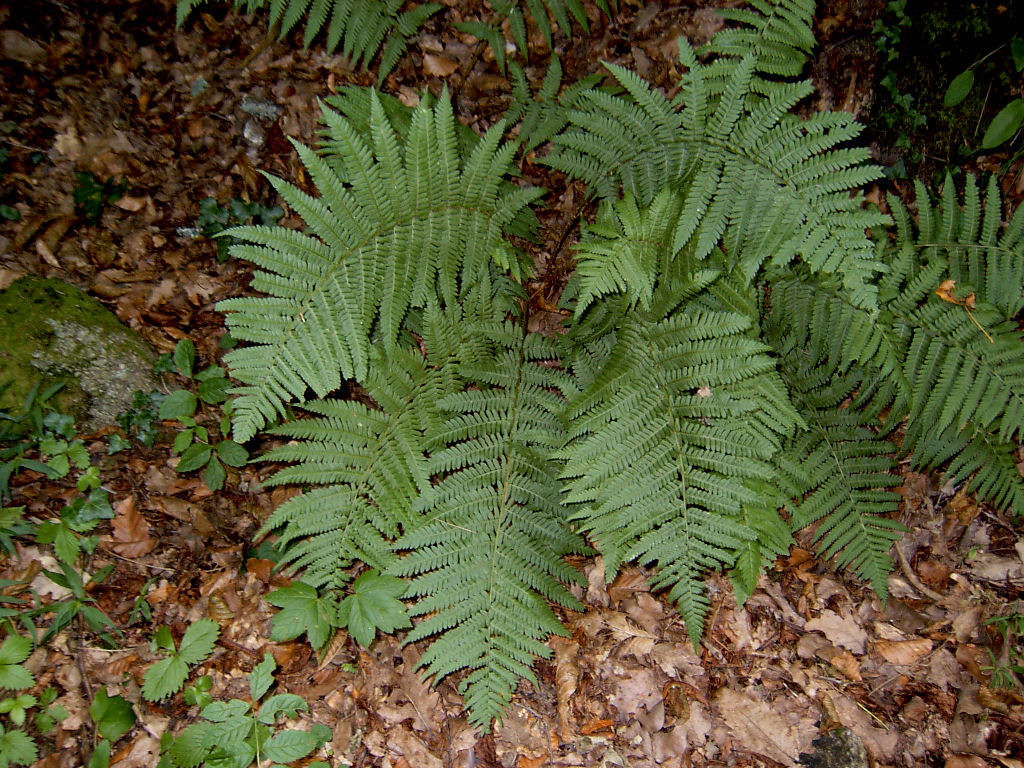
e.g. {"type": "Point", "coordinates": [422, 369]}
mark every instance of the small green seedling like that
{"type": "Point", "coordinates": [236, 733]}
{"type": "Point", "coordinates": [167, 676]}
{"type": "Point", "coordinates": [91, 194]}
{"type": "Point", "coordinates": [193, 442]}
{"type": "Point", "coordinates": [113, 717]}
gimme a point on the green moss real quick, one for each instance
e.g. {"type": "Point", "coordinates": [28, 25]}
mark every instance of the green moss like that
{"type": "Point", "coordinates": [54, 331]}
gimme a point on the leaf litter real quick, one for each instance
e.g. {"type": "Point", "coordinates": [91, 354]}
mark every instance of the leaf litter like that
{"type": "Point", "coordinates": [166, 111]}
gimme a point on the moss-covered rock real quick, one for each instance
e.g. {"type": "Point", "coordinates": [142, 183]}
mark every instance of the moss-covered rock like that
{"type": "Point", "coordinates": [53, 331]}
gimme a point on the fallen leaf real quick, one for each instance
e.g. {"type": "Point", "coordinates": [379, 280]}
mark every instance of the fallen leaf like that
{"type": "Point", "coordinates": [840, 630]}
{"type": "Point", "coordinates": [847, 665]}
{"type": "Point", "coordinates": [567, 674]}
{"type": "Point", "coordinates": [903, 652]}
{"type": "Point", "coordinates": [19, 47]}
{"type": "Point", "coordinates": [945, 291]}
{"type": "Point", "coordinates": [441, 66]}
{"type": "Point", "coordinates": [756, 726]}
{"type": "Point", "coordinates": [131, 531]}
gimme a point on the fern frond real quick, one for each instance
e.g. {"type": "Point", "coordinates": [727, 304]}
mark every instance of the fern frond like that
{"type": "Point", "coordinates": [370, 468]}
{"type": "Point", "coordinates": [664, 447]}
{"type": "Point", "coordinates": [773, 539]}
{"type": "Point", "coordinates": [360, 27]}
{"type": "Point", "coordinates": [777, 32]}
{"type": "Point", "coordinates": [490, 553]}
{"type": "Point", "coordinates": [840, 470]}
{"type": "Point", "coordinates": [398, 221]}
{"type": "Point", "coordinates": [544, 114]}
{"type": "Point", "coordinates": [768, 186]}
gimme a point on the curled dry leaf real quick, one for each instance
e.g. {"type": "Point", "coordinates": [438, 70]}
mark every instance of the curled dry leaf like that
{"type": "Point", "coordinates": [843, 631]}
{"type": "Point", "coordinates": [847, 665]}
{"type": "Point", "coordinates": [131, 531]}
{"type": "Point", "coordinates": [442, 66]}
{"type": "Point", "coordinates": [567, 675]}
{"type": "Point", "coordinates": [903, 652]}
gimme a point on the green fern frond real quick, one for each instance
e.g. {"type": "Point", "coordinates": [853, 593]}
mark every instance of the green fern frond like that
{"type": "Point", "coordinates": [840, 470]}
{"type": "Point", "coordinates": [490, 553]}
{"type": "Point", "coordinates": [563, 12]}
{"type": "Point", "coordinates": [768, 186]}
{"type": "Point", "coordinates": [398, 222]}
{"type": "Point", "coordinates": [544, 114]}
{"type": "Point", "coordinates": [360, 27]}
{"type": "Point", "coordinates": [664, 446]}
{"type": "Point", "coordinates": [773, 539]}
{"type": "Point", "coordinates": [369, 466]}
{"type": "Point", "coordinates": [777, 32]}
{"type": "Point", "coordinates": [980, 253]}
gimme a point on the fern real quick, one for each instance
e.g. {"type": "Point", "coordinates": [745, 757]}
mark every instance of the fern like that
{"type": "Point", "coordinates": [489, 554]}
{"type": "Point", "coordinates": [545, 114]}
{"type": "Point", "coordinates": [397, 223]}
{"type": "Point", "coordinates": [665, 450]}
{"type": "Point", "coordinates": [359, 27]}
{"type": "Point", "coordinates": [736, 345]}
{"type": "Point", "coordinates": [775, 188]}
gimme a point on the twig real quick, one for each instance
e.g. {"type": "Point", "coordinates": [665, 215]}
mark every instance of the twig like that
{"type": "Point", "coordinates": [912, 577]}
{"type": "Point", "coordinates": [239, 647]}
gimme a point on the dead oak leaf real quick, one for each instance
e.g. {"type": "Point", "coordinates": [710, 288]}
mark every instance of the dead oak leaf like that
{"type": "Point", "coordinates": [904, 652]}
{"type": "Point", "coordinates": [843, 631]}
{"type": "Point", "coordinates": [131, 531]}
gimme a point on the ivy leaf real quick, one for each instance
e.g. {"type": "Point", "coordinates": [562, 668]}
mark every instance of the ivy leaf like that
{"type": "Point", "coordinates": [14, 650]}
{"type": "Point", "coordinates": [262, 677]}
{"type": "Point", "coordinates": [112, 715]}
{"type": "Point", "coordinates": [17, 748]}
{"type": "Point", "coordinates": [374, 605]}
{"type": "Point", "coordinates": [302, 610]}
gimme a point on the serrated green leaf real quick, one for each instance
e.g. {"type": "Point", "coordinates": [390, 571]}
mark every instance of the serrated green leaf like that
{"type": "Point", "coordinates": [232, 754]}
{"type": "Point", "coordinates": [65, 544]}
{"type": "Point", "coordinates": [78, 454]}
{"type": "Point", "coordinates": [198, 641]}
{"type": "Point", "coordinates": [177, 405]}
{"type": "Point", "coordinates": [193, 458]}
{"type": "Point", "coordinates": [17, 748]}
{"type": "Point", "coordinates": [112, 715]}
{"type": "Point", "coordinates": [374, 605]}
{"type": "Point", "coordinates": [164, 678]}
{"type": "Point", "coordinates": [262, 677]}
{"type": "Point", "coordinates": [15, 649]}
{"type": "Point", "coordinates": [190, 747]}
{"type": "Point", "coordinates": [163, 640]}
{"type": "Point", "coordinates": [215, 474]}
{"type": "Point", "coordinates": [231, 453]}
{"type": "Point", "coordinates": [225, 711]}
{"type": "Point", "coordinates": [214, 390]}
{"type": "Point", "coordinates": [302, 610]}
{"type": "Point", "coordinates": [184, 358]}
{"type": "Point", "coordinates": [288, 746]}
{"type": "Point", "coordinates": [183, 440]}
{"type": "Point", "coordinates": [287, 704]}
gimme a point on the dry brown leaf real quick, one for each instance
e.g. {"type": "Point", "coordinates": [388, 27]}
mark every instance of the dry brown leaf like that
{"type": "Point", "coordinates": [411, 747]}
{"type": "Point", "coordinates": [840, 630]}
{"type": "Point", "coordinates": [626, 583]}
{"type": "Point", "coordinates": [131, 531]}
{"type": "Point", "coordinates": [756, 726]}
{"type": "Point", "coordinates": [903, 652]}
{"type": "Point", "coordinates": [847, 665]}
{"type": "Point", "coordinates": [441, 66]}
{"type": "Point", "coordinates": [567, 675]}
{"type": "Point", "coordinates": [945, 291]}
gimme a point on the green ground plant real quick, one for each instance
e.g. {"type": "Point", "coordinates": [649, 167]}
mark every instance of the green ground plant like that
{"type": "Point", "coordinates": [239, 733]}
{"type": "Point", "coordinates": [168, 675]}
{"type": "Point", "coordinates": [197, 449]}
{"type": "Point", "coordinates": [741, 359]}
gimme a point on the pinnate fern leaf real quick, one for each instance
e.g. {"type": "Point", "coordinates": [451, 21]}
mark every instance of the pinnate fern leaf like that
{"type": "Point", "coordinates": [488, 557]}
{"type": "Point", "coordinates": [664, 448]}
{"type": "Point", "coordinates": [398, 221]}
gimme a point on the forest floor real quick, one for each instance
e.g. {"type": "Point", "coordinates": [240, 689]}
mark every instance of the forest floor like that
{"type": "Point", "coordinates": [111, 88]}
